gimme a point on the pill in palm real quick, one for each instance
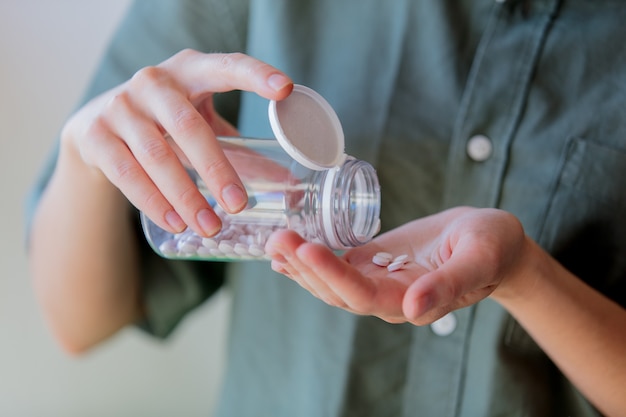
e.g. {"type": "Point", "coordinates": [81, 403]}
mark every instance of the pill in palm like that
{"type": "Point", "coordinates": [385, 259]}
{"type": "Point", "coordinates": [382, 258]}
{"type": "Point", "coordinates": [401, 258]}
{"type": "Point", "coordinates": [395, 266]}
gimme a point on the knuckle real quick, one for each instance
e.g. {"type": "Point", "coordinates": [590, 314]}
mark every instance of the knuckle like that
{"type": "Point", "coordinates": [243, 64]}
{"type": "Point", "coordinates": [186, 53]}
{"type": "Point", "coordinates": [182, 57]}
{"type": "Point", "coordinates": [155, 151]}
{"type": "Point", "coordinates": [118, 105]}
{"type": "Point", "coordinates": [91, 139]}
{"type": "Point", "coordinates": [125, 171]}
{"type": "Point", "coordinates": [188, 121]}
{"type": "Point", "coordinates": [231, 60]}
{"type": "Point", "coordinates": [189, 197]}
{"type": "Point", "coordinates": [95, 129]}
{"type": "Point", "coordinates": [154, 202]}
{"type": "Point", "coordinates": [217, 168]}
{"type": "Point", "coordinates": [148, 76]}
{"type": "Point", "coordinates": [119, 102]}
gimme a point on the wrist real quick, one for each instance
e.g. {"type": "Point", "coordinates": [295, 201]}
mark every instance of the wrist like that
{"type": "Point", "coordinates": [524, 279]}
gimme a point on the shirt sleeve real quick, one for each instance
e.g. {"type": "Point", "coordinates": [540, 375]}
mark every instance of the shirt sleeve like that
{"type": "Point", "coordinates": [151, 32]}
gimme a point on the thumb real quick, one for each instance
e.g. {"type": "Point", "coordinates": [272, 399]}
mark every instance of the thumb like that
{"type": "Point", "coordinates": [465, 278]}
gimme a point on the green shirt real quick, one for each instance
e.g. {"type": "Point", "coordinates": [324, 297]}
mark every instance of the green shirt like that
{"type": "Point", "coordinates": [517, 105]}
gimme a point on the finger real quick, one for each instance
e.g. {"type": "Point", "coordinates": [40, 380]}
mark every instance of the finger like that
{"type": "Point", "coordinates": [329, 275]}
{"type": "Point", "coordinates": [280, 268]}
{"type": "Point", "coordinates": [172, 109]}
{"type": "Point", "coordinates": [377, 293]}
{"type": "Point", "coordinates": [292, 273]}
{"type": "Point", "coordinates": [171, 92]}
{"type": "Point", "coordinates": [117, 163]}
{"type": "Point", "coordinates": [284, 244]}
{"type": "Point", "coordinates": [160, 162]}
{"type": "Point", "coordinates": [200, 73]}
{"type": "Point", "coordinates": [467, 274]}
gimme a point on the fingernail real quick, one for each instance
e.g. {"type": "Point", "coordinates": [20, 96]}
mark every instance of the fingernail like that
{"type": "Point", "coordinates": [174, 220]}
{"type": "Point", "coordinates": [278, 81]}
{"type": "Point", "coordinates": [234, 198]}
{"type": "Point", "coordinates": [278, 258]}
{"type": "Point", "coordinates": [209, 222]}
{"type": "Point", "coordinates": [277, 266]}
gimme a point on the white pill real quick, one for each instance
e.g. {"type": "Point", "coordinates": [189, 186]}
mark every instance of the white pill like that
{"type": "Point", "coordinates": [256, 250]}
{"type": "Point", "coordinates": [193, 240]}
{"type": "Point", "coordinates": [217, 253]}
{"type": "Point", "coordinates": [226, 247]}
{"type": "Point", "coordinates": [169, 247]}
{"type": "Point", "coordinates": [395, 266]}
{"type": "Point", "coordinates": [401, 258]}
{"type": "Point", "coordinates": [183, 234]}
{"type": "Point", "coordinates": [187, 248]}
{"type": "Point", "coordinates": [209, 243]}
{"type": "Point", "coordinates": [204, 251]}
{"type": "Point", "coordinates": [226, 234]}
{"type": "Point", "coordinates": [241, 249]}
{"type": "Point", "coordinates": [257, 239]}
{"type": "Point", "coordinates": [380, 260]}
{"type": "Point", "coordinates": [385, 255]}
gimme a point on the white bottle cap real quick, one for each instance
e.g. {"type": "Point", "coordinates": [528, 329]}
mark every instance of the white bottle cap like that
{"type": "Point", "coordinates": [308, 129]}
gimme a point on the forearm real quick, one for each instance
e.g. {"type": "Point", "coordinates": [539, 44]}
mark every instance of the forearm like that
{"type": "Point", "coordinates": [83, 255]}
{"type": "Point", "coordinates": [581, 330]}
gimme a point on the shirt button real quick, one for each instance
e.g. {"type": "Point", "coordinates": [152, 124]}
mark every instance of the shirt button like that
{"type": "Point", "coordinates": [445, 325]}
{"type": "Point", "coordinates": [479, 148]}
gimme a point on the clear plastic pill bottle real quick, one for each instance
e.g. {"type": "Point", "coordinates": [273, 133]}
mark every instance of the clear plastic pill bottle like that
{"type": "Point", "coordinates": [302, 181]}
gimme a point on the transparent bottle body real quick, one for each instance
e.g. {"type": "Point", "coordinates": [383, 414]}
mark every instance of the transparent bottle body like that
{"type": "Point", "coordinates": [339, 207]}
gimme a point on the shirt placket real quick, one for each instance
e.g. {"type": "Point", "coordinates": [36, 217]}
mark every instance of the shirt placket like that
{"type": "Point", "coordinates": [493, 101]}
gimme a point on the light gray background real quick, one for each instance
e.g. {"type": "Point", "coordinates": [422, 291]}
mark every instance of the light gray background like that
{"type": "Point", "coordinates": [48, 51]}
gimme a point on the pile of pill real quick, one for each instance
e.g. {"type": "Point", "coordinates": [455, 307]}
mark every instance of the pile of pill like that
{"type": "Point", "coordinates": [385, 259]}
{"type": "Point", "coordinates": [227, 244]}
{"type": "Point", "coordinates": [236, 240]}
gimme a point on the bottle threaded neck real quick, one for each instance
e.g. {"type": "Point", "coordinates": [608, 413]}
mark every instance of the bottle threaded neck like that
{"type": "Point", "coordinates": [348, 205]}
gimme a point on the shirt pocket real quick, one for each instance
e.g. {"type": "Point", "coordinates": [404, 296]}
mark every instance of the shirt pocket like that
{"type": "Point", "coordinates": [595, 171]}
{"type": "Point", "coordinates": [585, 223]}
{"type": "Point", "coordinates": [584, 226]}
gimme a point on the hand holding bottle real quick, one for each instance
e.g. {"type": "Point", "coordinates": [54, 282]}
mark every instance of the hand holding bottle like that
{"type": "Point", "coordinates": [136, 135]}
